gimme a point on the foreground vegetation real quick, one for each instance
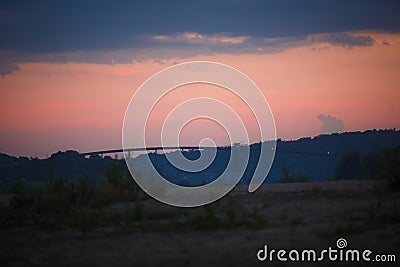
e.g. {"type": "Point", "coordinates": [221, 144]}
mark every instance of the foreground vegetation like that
{"type": "Point", "coordinates": [144, 232]}
{"type": "Point", "coordinates": [112, 222]}
{"type": "Point", "coordinates": [116, 202]}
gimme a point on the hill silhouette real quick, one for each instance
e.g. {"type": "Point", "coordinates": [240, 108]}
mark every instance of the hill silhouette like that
{"type": "Point", "coordinates": [316, 158]}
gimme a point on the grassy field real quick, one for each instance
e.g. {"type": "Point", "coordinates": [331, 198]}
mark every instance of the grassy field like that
{"type": "Point", "coordinates": [143, 232]}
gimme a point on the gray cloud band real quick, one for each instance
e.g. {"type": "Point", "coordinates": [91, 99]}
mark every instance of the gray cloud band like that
{"type": "Point", "coordinates": [161, 48]}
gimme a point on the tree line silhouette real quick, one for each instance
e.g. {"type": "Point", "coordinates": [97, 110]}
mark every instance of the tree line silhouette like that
{"type": "Point", "coordinates": [306, 159]}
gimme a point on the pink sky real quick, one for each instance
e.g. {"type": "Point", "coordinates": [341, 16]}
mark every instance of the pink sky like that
{"type": "Point", "coordinates": [47, 107]}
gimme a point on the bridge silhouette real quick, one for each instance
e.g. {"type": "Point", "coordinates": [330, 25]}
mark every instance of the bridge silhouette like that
{"type": "Point", "coordinates": [154, 148]}
{"type": "Point", "coordinates": [182, 148]}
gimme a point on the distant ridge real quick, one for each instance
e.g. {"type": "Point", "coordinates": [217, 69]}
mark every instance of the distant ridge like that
{"type": "Point", "coordinates": [316, 157]}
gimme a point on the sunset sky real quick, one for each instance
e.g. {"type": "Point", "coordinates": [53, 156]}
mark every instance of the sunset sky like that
{"type": "Point", "coordinates": [69, 69]}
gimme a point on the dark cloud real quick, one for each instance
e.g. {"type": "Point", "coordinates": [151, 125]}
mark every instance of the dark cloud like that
{"type": "Point", "coordinates": [186, 45]}
{"type": "Point", "coordinates": [92, 31]}
{"type": "Point", "coordinates": [344, 39]}
{"type": "Point", "coordinates": [7, 67]}
{"type": "Point", "coordinates": [59, 26]}
{"type": "Point", "coordinates": [330, 124]}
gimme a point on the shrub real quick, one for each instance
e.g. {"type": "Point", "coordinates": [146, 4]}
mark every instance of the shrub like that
{"type": "Point", "coordinates": [59, 196]}
{"type": "Point", "coordinates": [116, 187]}
{"type": "Point", "coordinates": [383, 165]}
{"type": "Point", "coordinates": [349, 166]}
{"type": "Point", "coordinates": [294, 177]}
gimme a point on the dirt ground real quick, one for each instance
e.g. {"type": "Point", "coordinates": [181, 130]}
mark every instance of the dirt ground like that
{"type": "Point", "coordinates": [296, 216]}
